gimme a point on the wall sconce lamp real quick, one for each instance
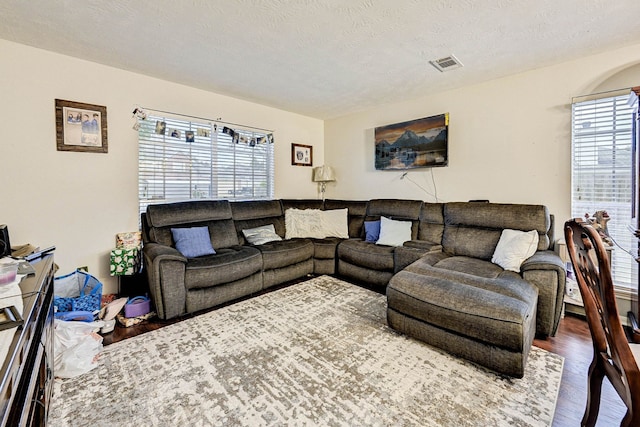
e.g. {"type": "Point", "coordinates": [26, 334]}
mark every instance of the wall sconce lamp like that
{"type": "Point", "coordinates": [323, 174]}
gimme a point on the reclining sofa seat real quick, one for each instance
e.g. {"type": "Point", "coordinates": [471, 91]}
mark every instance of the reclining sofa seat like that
{"type": "Point", "coordinates": [324, 254]}
{"type": "Point", "coordinates": [325, 258]}
{"type": "Point", "coordinates": [367, 262]}
{"type": "Point", "coordinates": [430, 229]}
{"type": "Point", "coordinates": [180, 285]}
{"type": "Point", "coordinates": [283, 260]}
{"type": "Point", "coordinates": [471, 234]}
{"type": "Point", "coordinates": [459, 301]}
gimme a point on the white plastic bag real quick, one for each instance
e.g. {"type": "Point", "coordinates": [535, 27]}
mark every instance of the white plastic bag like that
{"type": "Point", "coordinates": [75, 347]}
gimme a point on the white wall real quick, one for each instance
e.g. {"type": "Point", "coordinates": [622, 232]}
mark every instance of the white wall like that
{"type": "Point", "coordinates": [79, 201]}
{"type": "Point", "coordinates": [509, 139]}
{"type": "Point", "coordinates": [509, 142]}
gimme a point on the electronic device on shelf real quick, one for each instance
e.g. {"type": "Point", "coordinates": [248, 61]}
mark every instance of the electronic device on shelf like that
{"type": "Point", "coordinates": [39, 253]}
{"type": "Point", "coordinates": [5, 245]}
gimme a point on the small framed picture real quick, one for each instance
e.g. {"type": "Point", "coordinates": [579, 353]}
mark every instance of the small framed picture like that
{"type": "Point", "coordinates": [81, 127]}
{"type": "Point", "coordinates": [301, 155]}
{"type": "Point", "coordinates": [9, 318]}
{"type": "Point", "coordinates": [161, 127]}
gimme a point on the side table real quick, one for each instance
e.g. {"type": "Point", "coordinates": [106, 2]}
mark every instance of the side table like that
{"type": "Point", "coordinates": [572, 299]}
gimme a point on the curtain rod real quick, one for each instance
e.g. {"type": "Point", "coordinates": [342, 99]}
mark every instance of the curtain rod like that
{"type": "Point", "coordinates": [218, 120]}
{"type": "Point", "coordinates": [573, 99]}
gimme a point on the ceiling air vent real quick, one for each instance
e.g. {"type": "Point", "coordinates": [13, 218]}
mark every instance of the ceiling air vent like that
{"type": "Point", "coordinates": [447, 63]}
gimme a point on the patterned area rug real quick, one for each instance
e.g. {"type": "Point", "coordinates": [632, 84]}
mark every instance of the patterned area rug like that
{"type": "Point", "coordinates": [318, 353]}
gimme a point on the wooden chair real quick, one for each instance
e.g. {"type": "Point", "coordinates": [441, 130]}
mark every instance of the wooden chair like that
{"type": "Point", "coordinates": [612, 356]}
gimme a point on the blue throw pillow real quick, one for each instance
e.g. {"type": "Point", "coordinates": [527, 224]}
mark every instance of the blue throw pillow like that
{"type": "Point", "coordinates": [372, 231]}
{"type": "Point", "coordinates": [193, 242]}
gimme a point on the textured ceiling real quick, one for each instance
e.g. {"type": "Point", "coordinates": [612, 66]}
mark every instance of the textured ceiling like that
{"type": "Point", "coordinates": [322, 58]}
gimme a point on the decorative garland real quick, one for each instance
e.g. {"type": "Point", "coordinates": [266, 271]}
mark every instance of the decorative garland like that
{"type": "Point", "coordinates": [161, 129]}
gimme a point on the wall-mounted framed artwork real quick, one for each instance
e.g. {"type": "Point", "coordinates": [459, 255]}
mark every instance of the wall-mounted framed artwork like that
{"type": "Point", "coordinates": [420, 143]}
{"type": "Point", "coordinates": [81, 127]}
{"type": "Point", "coordinates": [301, 155]}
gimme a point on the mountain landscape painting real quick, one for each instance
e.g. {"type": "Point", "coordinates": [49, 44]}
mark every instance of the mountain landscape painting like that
{"type": "Point", "coordinates": [420, 143]}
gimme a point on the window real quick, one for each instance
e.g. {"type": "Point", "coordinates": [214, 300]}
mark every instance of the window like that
{"type": "Point", "coordinates": [601, 175]}
{"type": "Point", "coordinates": [187, 160]}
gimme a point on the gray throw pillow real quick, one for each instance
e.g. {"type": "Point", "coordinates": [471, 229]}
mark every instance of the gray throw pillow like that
{"type": "Point", "coordinates": [261, 235]}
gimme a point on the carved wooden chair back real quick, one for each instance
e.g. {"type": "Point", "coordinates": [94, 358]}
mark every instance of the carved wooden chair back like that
{"type": "Point", "coordinates": [612, 356]}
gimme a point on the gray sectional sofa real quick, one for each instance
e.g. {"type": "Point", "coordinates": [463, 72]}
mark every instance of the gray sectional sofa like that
{"type": "Point", "coordinates": [441, 285]}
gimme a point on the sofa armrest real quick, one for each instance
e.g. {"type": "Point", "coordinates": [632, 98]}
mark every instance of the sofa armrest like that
{"type": "Point", "coordinates": [546, 271]}
{"type": "Point", "coordinates": [543, 260]}
{"type": "Point", "coordinates": [425, 245]}
{"type": "Point", "coordinates": [166, 268]}
{"type": "Point", "coordinates": [157, 252]}
{"type": "Point", "coordinates": [412, 251]}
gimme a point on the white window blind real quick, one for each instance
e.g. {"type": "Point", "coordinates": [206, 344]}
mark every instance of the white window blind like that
{"type": "Point", "coordinates": [601, 174]}
{"type": "Point", "coordinates": [220, 162]}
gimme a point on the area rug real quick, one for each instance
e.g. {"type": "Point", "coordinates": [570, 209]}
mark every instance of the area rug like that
{"type": "Point", "coordinates": [317, 353]}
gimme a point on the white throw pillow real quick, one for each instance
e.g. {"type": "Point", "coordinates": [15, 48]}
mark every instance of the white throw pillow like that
{"type": "Point", "coordinates": [394, 233]}
{"type": "Point", "coordinates": [301, 223]}
{"type": "Point", "coordinates": [261, 235]}
{"type": "Point", "coordinates": [514, 247]}
{"type": "Point", "coordinates": [335, 223]}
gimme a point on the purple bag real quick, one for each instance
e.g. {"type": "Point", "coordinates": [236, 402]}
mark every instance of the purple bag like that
{"type": "Point", "coordinates": [138, 306]}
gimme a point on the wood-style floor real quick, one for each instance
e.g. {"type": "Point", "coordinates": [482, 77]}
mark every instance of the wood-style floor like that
{"type": "Point", "coordinates": [572, 341]}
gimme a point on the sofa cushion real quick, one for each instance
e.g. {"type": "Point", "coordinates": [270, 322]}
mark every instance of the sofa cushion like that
{"type": "Point", "coordinates": [366, 254]}
{"type": "Point", "coordinates": [431, 222]}
{"type": "Point", "coordinates": [397, 209]}
{"type": "Point", "coordinates": [474, 266]}
{"type": "Point", "coordinates": [261, 235]}
{"type": "Point", "coordinates": [335, 223]}
{"type": "Point", "coordinates": [514, 247]}
{"type": "Point", "coordinates": [303, 223]}
{"type": "Point", "coordinates": [215, 214]}
{"type": "Point", "coordinates": [474, 229]}
{"type": "Point", "coordinates": [193, 242]}
{"type": "Point", "coordinates": [316, 223]}
{"type": "Point", "coordinates": [285, 253]}
{"type": "Point", "coordinates": [474, 242]}
{"type": "Point", "coordinates": [256, 209]}
{"type": "Point", "coordinates": [257, 213]}
{"type": "Point", "coordinates": [371, 231]}
{"type": "Point", "coordinates": [494, 311]}
{"type": "Point", "coordinates": [226, 266]}
{"type": "Point", "coordinates": [394, 233]}
{"type": "Point", "coordinates": [357, 211]}
{"type": "Point", "coordinates": [181, 213]}
{"type": "Point", "coordinates": [302, 204]}
{"type": "Point", "coordinates": [325, 248]}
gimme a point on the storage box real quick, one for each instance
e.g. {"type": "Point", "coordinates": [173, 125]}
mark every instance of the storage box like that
{"type": "Point", "coordinates": [128, 240]}
{"type": "Point", "coordinates": [125, 261]}
{"type": "Point", "coordinates": [77, 291]}
{"type": "Point", "coordinates": [136, 307]}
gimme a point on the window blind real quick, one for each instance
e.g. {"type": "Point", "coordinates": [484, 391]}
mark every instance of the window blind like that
{"type": "Point", "coordinates": [188, 160]}
{"type": "Point", "coordinates": [601, 174]}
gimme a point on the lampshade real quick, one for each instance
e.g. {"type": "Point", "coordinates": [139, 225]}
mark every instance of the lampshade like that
{"type": "Point", "coordinates": [323, 174]}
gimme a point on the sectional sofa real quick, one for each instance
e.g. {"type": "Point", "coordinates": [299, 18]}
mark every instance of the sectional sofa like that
{"type": "Point", "coordinates": [440, 282]}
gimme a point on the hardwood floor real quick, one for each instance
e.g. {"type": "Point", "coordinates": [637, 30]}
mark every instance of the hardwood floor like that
{"type": "Point", "coordinates": [572, 341]}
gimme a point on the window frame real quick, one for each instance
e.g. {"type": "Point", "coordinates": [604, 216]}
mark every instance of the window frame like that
{"type": "Point", "coordinates": [601, 148]}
